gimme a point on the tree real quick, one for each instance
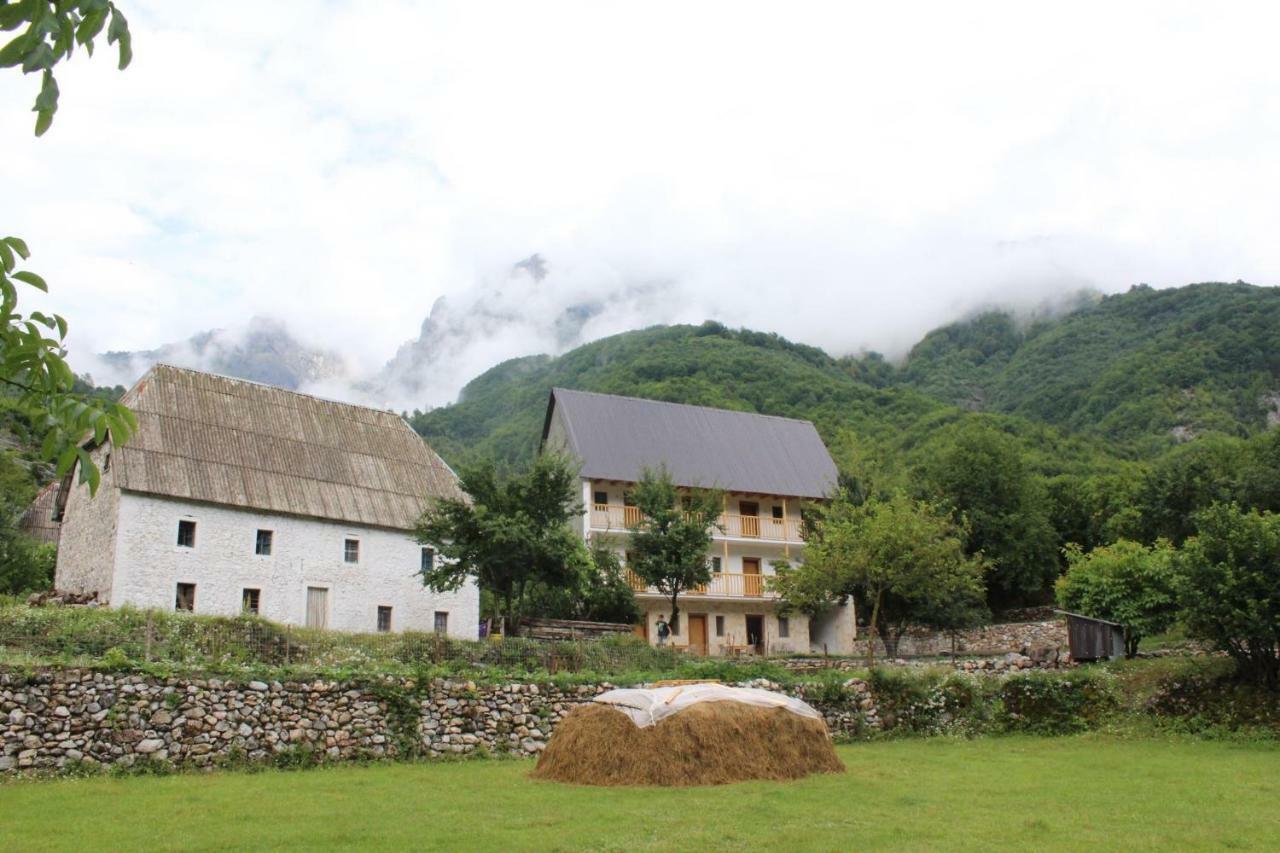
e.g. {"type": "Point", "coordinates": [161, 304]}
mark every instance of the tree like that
{"type": "Point", "coordinates": [1229, 587]}
{"type": "Point", "coordinates": [600, 593]}
{"type": "Point", "coordinates": [979, 473]}
{"type": "Point", "coordinates": [904, 559]}
{"type": "Point", "coordinates": [25, 564]}
{"type": "Point", "coordinates": [1126, 582]}
{"type": "Point", "coordinates": [53, 29]}
{"type": "Point", "coordinates": [511, 535]}
{"type": "Point", "coordinates": [1189, 478]}
{"type": "Point", "coordinates": [669, 545]}
{"type": "Point", "coordinates": [32, 351]}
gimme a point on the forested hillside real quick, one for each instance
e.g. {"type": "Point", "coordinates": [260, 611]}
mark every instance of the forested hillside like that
{"type": "Point", "coordinates": [1141, 368]}
{"type": "Point", "coordinates": [499, 415]}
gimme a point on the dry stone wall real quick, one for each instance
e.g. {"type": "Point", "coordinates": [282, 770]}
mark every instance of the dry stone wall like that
{"type": "Point", "coordinates": [55, 720]}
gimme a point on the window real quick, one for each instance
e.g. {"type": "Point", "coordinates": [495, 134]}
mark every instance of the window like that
{"type": "Point", "coordinates": [716, 565]}
{"type": "Point", "coordinates": [719, 626]}
{"type": "Point", "coordinates": [351, 550]}
{"type": "Point", "coordinates": [442, 622]}
{"type": "Point", "coordinates": [186, 534]}
{"type": "Point", "coordinates": [384, 619]}
{"type": "Point", "coordinates": [262, 545]}
{"type": "Point", "coordinates": [748, 508]}
{"type": "Point", "coordinates": [777, 512]}
{"type": "Point", "coordinates": [317, 607]}
{"type": "Point", "coordinates": [186, 597]}
{"type": "Point", "coordinates": [601, 498]}
{"type": "Point", "coordinates": [249, 600]}
{"type": "Point", "coordinates": [627, 500]}
{"type": "Point", "coordinates": [784, 626]}
{"type": "Point", "coordinates": [686, 503]}
{"type": "Point", "coordinates": [428, 559]}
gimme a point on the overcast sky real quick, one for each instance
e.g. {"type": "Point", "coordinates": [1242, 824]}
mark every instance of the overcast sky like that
{"type": "Point", "coordinates": [846, 175]}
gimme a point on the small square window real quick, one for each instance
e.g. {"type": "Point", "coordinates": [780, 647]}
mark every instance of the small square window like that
{"type": "Point", "coordinates": [716, 565]}
{"type": "Point", "coordinates": [777, 512]}
{"type": "Point", "coordinates": [262, 545]}
{"type": "Point", "coordinates": [249, 600]}
{"type": "Point", "coordinates": [384, 619]}
{"type": "Point", "coordinates": [428, 559]}
{"type": "Point", "coordinates": [351, 550]}
{"type": "Point", "coordinates": [442, 622]}
{"type": "Point", "coordinates": [601, 498]}
{"type": "Point", "coordinates": [784, 626]}
{"type": "Point", "coordinates": [186, 597]}
{"type": "Point", "coordinates": [719, 626]}
{"type": "Point", "coordinates": [186, 534]}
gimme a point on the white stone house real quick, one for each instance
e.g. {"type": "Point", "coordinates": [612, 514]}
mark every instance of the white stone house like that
{"type": "Point", "coordinates": [235, 496]}
{"type": "Point", "coordinates": [768, 468]}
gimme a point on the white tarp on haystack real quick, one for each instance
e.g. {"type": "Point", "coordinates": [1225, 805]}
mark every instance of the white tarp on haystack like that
{"type": "Point", "coordinates": [647, 706]}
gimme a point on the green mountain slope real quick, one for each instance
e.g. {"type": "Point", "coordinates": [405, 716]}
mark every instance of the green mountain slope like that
{"type": "Point", "coordinates": [1141, 369]}
{"type": "Point", "coordinates": [499, 415]}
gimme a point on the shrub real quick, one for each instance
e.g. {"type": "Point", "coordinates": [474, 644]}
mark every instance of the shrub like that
{"type": "Point", "coordinates": [1127, 583]}
{"type": "Point", "coordinates": [1230, 588]}
{"type": "Point", "coordinates": [1052, 703]}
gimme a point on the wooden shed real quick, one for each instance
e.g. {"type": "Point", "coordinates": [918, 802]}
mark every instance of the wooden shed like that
{"type": "Point", "coordinates": [1093, 639]}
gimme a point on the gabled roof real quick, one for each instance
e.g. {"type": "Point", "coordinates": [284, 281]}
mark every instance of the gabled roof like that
{"type": "Point", "coordinates": [229, 441]}
{"type": "Point", "coordinates": [616, 438]}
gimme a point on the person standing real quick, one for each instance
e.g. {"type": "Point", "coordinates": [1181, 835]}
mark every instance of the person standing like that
{"type": "Point", "coordinates": [664, 630]}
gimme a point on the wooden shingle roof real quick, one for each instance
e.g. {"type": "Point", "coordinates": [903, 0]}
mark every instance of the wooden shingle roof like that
{"type": "Point", "coordinates": [229, 441]}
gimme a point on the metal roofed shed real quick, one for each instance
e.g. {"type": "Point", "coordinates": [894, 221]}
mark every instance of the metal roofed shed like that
{"type": "Point", "coordinates": [616, 438]}
{"type": "Point", "coordinates": [1093, 639]}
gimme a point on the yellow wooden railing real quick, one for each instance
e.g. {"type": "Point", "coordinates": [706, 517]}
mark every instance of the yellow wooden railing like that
{"type": "Point", "coordinates": [621, 517]}
{"type": "Point", "coordinates": [729, 584]}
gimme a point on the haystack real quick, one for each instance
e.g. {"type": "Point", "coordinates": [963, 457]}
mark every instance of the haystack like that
{"type": "Point", "coordinates": [701, 735]}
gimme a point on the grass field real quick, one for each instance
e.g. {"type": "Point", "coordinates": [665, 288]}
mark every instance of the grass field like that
{"type": "Point", "coordinates": [1013, 793]}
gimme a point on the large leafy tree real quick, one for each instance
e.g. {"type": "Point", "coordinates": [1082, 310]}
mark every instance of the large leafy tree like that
{"type": "Point", "coordinates": [980, 474]}
{"type": "Point", "coordinates": [25, 564]}
{"type": "Point", "coordinates": [1229, 587]}
{"type": "Point", "coordinates": [1126, 582]}
{"type": "Point", "coordinates": [903, 559]}
{"type": "Point", "coordinates": [33, 365]}
{"type": "Point", "coordinates": [512, 534]}
{"type": "Point", "coordinates": [600, 592]}
{"type": "Point", "coordinates": [1189, 478]}
{"type": "Point", "coordinates": [669, 546]}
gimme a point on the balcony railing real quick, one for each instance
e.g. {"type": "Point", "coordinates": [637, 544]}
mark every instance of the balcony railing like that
{"type": "Point", "coordinates": [727, 584]}
{"type": "Point", "coordinates": [766, 528]}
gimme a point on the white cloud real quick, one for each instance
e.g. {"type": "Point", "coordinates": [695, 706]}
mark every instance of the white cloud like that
{"type": "Point", "coordinates": [848, 175]}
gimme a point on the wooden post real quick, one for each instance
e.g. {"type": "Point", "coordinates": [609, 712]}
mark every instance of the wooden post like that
{"type": "Point", "coordinates": [724, 513]}
{"type": "Point", "coordinates": [786, 533]}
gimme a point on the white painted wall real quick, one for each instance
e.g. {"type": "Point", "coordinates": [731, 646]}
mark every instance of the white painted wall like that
{"type": "Point", "coordinates": [305, 552]}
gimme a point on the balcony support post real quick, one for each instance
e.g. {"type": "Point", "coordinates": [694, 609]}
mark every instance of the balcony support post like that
{"type": "Point", "coordinates": [786, 535]}
{"type": "Point", "coordinates": [724, 514]}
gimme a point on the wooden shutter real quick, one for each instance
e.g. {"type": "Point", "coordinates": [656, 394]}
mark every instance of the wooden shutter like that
{"type": "Point", "coordinates": [317, 607]}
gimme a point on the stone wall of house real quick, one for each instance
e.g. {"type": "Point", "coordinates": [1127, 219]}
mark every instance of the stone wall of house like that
{"type": "Point", "coordinates": [55, 718]}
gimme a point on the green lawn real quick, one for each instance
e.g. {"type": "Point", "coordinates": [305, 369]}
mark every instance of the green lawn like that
{"type": "Point", "coordinates": [1017, 793]}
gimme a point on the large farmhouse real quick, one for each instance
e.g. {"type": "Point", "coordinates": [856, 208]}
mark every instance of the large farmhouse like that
{"type": "Point", "coordinates": [235, 496]}
{"type": "Point", "coordinates": [768, 468]}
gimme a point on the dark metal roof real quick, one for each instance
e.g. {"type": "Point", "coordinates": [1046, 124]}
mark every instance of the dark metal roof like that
{"type": "Point", "coordinates": [618, 437]}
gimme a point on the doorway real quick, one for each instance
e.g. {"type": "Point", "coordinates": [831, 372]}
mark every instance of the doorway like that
{"type": "Point", "coordinates": [749, 513]}
{"type": "Point", "coordinates": [755, 633]}
{"type": "Point", "coordinates": [317, 607]}
{"type": "Point", "coordinates": [698, 634]}
{"type": "Point", "coordinates": [641, 628]}
{"type": "Point", "coordinates": [752, 580]}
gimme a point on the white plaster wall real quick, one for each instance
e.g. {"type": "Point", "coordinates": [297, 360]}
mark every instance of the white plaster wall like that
{"type": "Point", "coordinates": [305, 553]}
{"type": "Point", "coordinates": [735, 614]}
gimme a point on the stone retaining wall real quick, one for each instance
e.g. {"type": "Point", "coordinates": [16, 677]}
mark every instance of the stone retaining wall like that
{"type": "Point", "coordinates": [57, 718]}
{"type": "Point", "coordinates": [989, 640]}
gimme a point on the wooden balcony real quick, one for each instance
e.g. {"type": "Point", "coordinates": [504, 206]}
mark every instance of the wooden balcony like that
{"type": "Point", "coordinates": [766, 529]}
{"type": "Point", "coordinates": [722, 584]}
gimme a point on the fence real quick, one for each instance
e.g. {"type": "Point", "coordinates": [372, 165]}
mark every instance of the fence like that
{"type": "Point", "coordinates": [127, 635]}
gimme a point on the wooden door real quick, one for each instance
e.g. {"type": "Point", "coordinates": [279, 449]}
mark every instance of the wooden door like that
{"type": "Point", "coordinates": [641, 628]}
{"type": "Point", "coordinates": [317, 607]}
{"type": "Point", "coordinates": [749, 513]}
{"type": "Point", "coordinates": [752, 580]}
{"type": "Point", "coordinates": [697, 626]}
